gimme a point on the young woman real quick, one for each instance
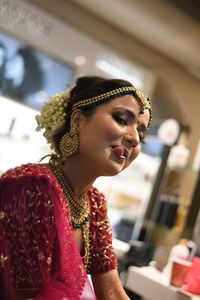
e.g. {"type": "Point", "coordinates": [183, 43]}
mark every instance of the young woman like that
{"type": "Point", "coordinates": [53, 222]}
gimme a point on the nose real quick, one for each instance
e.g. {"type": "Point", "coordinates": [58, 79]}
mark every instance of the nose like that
{"type": "Point", "coordinates": [132, 138]}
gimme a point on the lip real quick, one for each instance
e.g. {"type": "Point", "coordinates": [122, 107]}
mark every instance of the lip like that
{"type": "Point", "coordinates": [120, 152]}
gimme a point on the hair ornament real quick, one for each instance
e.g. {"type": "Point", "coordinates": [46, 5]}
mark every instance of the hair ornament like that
{"type": "Point", "coordinates": [143, 100]}
{"type": "Point", "coordinates": [53, 114]}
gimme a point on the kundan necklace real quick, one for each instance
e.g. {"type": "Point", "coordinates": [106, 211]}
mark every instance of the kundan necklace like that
{"type": "Point", "coordinates": [79, 209]}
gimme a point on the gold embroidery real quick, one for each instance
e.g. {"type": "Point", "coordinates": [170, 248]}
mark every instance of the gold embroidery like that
{"type": "Point", "coordinates": [3, 259]}
{"type": "Point", "coordinates": [26, 214]}
{"type": "Point", "coordinates": [102, 256]}
{"type": "Point", "coordinates": [48, 204]}
{"type": "Point", "coordinates": [100, 223]}
{"type": "Point", "coordinates": [41, 255]}
{"type": "Point", "coordinates": [49, 260]}
{"type": "Point", "coordinates": [2, 215]}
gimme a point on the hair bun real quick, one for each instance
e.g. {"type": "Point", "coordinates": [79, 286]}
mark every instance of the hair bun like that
{"type": "Point", "coordinates": [86, 86]}
{"type": "Point", "coordinates": [86, 81]}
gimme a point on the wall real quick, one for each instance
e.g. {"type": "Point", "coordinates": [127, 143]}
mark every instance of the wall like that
{"type": "Point", "coordinates": [184, 88]}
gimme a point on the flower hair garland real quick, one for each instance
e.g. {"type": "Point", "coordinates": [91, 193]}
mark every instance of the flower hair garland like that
{"type": "Point", "coordinates": [53, 115]}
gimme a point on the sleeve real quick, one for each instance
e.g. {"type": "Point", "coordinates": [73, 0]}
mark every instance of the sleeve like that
{"type": "Point", "coordinates": [102, 254]}
{"type": "Point", "coordinates": [27, 224]}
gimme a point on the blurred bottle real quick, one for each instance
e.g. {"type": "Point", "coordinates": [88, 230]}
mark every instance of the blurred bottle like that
{"type": "Point", "coordinates": [178, 251]}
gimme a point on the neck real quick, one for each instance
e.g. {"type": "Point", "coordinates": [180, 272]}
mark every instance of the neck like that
{"type": "Point", "coordinates": [78, 175]}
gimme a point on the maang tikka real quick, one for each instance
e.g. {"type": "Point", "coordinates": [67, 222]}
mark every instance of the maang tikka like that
{"type": "Point", "coordinates": [69, 143]}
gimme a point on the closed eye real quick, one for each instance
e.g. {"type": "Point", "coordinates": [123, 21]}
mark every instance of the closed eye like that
{"type": "Point", "coordinates": [120, 120]}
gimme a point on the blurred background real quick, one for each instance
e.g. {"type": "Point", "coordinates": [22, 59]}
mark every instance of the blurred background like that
{"type": "Point", "coordinates": [155, 44]}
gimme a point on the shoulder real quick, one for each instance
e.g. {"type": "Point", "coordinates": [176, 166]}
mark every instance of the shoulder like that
{"type": "Point", "coordinates": [26, 170]}
{"type": "Point", "coordinates": [96, 193]}
{"type": "Point", "coordinates": [97, 197]}
{"type": "Point", "coordinates": [98, 204]}
{"type": "Point", "coordinates": [28, 183]}
{"type": "Point", "coordinates": [27, 175]}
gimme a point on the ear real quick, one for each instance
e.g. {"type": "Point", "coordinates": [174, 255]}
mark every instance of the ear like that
{"type": "Point", "coordinates": [76, 118]}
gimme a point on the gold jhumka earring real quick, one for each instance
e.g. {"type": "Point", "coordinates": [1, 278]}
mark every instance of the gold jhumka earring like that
{"type": "Point", "coordinates": [69, 143]}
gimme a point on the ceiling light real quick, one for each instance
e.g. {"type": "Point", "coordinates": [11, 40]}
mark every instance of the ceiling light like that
{"type": "Point", "coordinates": [80, 60]}
{"type": "Point", "coordinates": [116, 72]}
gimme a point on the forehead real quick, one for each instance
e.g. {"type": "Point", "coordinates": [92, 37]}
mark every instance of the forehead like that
{"type": "Point", "coordinates": [126, 101]}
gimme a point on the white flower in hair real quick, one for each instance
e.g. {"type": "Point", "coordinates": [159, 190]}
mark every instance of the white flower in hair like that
{"type": "Point", "coordinates": [53, 115]}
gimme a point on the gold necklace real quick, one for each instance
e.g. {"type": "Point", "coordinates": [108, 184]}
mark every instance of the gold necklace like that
{"type": "Point", "coordinates": [79, 209]}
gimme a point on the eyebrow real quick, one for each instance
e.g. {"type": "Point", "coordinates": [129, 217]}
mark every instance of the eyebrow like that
{"type": "Point", "coordinates": [127, 111]}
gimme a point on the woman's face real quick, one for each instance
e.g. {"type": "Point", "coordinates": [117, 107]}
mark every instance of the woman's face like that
{"type": "Point", "coordinates": [110, 139]}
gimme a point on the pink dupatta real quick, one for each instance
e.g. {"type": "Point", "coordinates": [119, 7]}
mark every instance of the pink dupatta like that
{"type": "Point", "coordinates": [70, 282]}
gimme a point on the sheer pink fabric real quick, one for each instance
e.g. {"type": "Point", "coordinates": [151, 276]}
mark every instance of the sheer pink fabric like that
{"type": "Point", "coordinates": [32, 192]}
{"type": "Point", "coordinates": [71, 267]}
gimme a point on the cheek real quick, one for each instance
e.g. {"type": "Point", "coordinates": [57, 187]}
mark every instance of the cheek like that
{"type": "Point", "coordinates": [107, 131]}
{"type": "Point", "coordinates": [135, 152]}
{"type": "Point", "coordinates": [113, 131]}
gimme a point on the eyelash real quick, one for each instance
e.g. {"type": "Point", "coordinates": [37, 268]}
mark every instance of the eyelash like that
{"type": "Point", "coordinates": [120, 120]}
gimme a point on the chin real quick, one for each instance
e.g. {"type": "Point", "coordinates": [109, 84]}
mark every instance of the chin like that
{"type": "Point", "coordinates": [110, 168]}
{"type": "Point", "coordinates": [125, 167]}
{"type": "Point", "coordinates": [112, 171]}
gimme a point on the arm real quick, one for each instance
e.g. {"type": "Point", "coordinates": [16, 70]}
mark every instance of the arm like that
{"type": "Point", "coordinates": [103, 268]}
{"type": "Point", "coordinates": [107, 286]}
